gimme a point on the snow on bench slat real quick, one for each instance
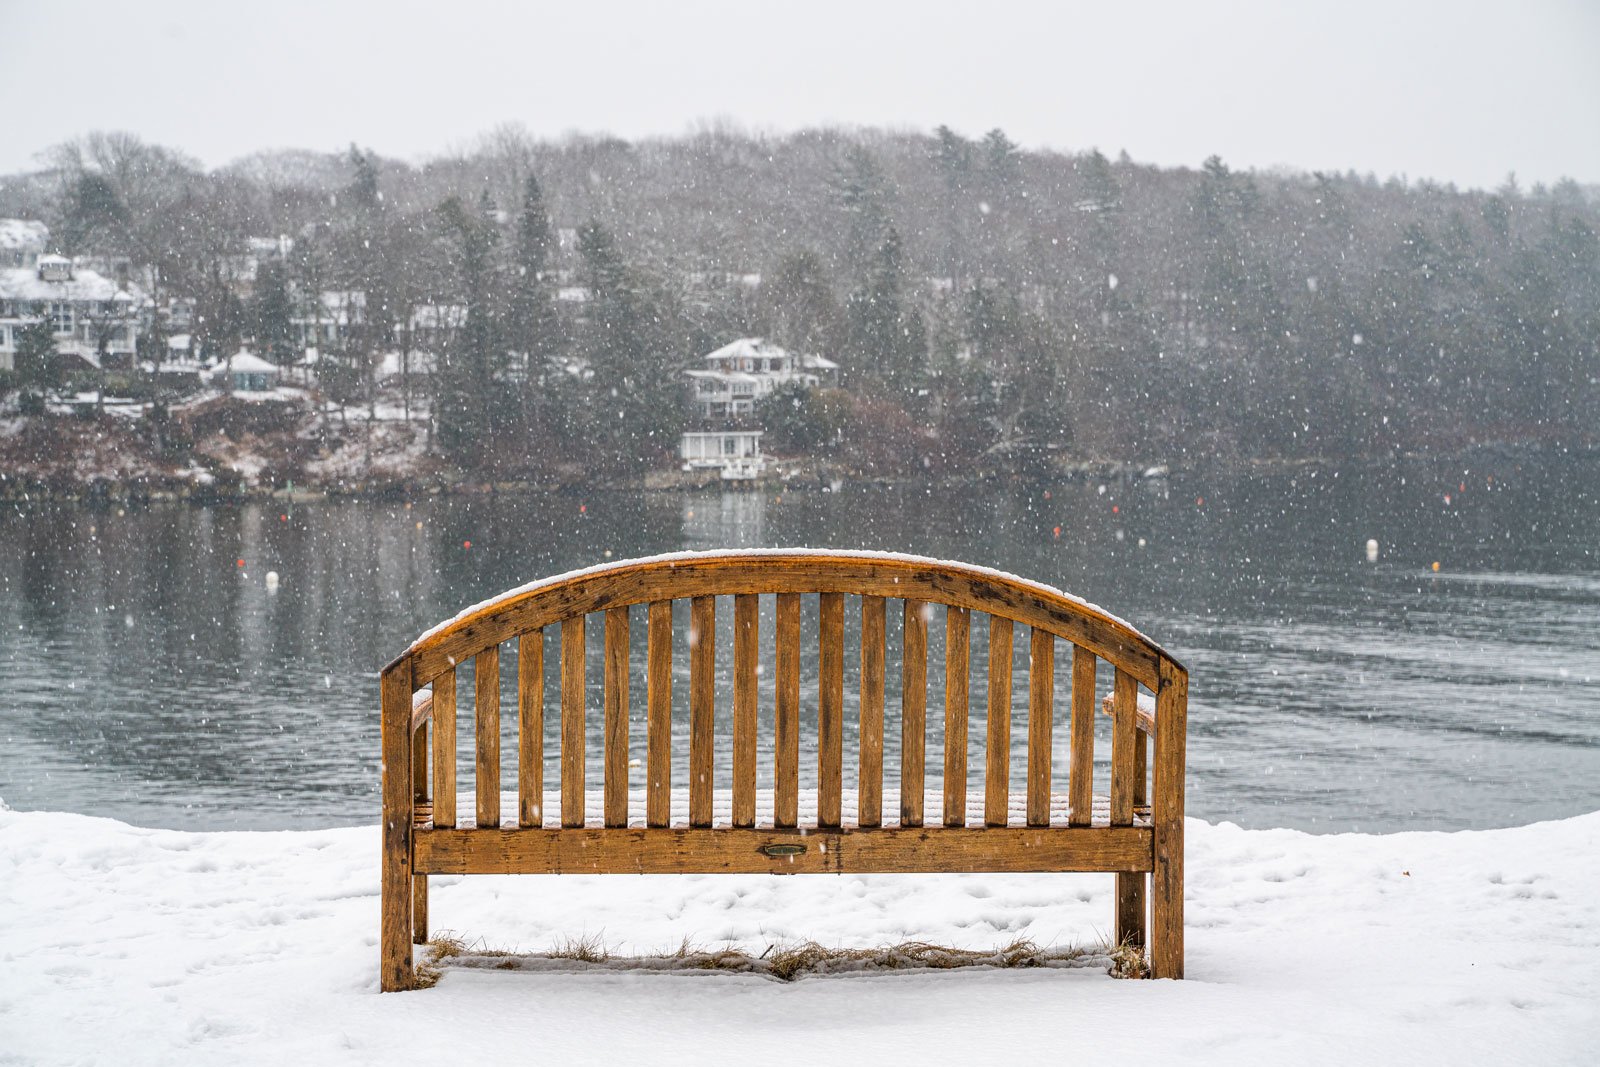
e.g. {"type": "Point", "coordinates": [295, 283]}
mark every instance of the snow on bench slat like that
{"type": "Point", "coordinates": [772, 553]}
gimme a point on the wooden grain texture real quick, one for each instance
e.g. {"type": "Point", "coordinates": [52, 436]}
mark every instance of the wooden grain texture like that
{"type": "Point", "coordinates": [913, 711]}
{"type": "Point", "coordinates": [421, 707]}
{"type": "Point", "coordinates": [869, 780]}
{"type": "Point", "coordinates": [419, 766]}
{"type": "Point", "coordinates": [640, 581]}
{"type": "Point", "coordinates": [786, 739]}
{"type": "Point", "coordinates": [726, 850]}
{"type": "Point", "coordinates": [658, 711]}
{"type": "Point", "coordinates": [395, 885]}
{"type": "Point", "coordinates": [746, 674]}
{"type": "Point", "coordinates": [419, 909]}
{"type": "Point", "coordinates": [444, 749]}
{"type": "Point", "coordinates": [997, 727]}
{"type": "Point", "coordinates": [573, 651]}
{"type": "Point", "coordinates": [957, 646]}
{"type": "Point", "coordinates": [702, 707]}
{"type": "Point", "coordinates": [1080, 761]}
{"type": "Point", "coordinates": [530, 729]}
{"type": "Point", "coordinates": [1166, 879]}
{"type": "Point", "coordinates": [830, 710]}
{"type": "Point", "coordinates": [1041, 713]}
{"type": "Point", "coordinates": [615, 789]}
{"type": "Point", "coordinates": [1124, 699]}
{"type": "Point", "coordinates": [486, 717]}
{"type": "Point", "coordinates": [419, 802]}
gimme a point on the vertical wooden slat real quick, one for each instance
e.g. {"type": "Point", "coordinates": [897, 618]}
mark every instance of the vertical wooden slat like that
{"type": "Point", "coordinates": [997, 770]}
{"type": "Point", "coordinates": [1166, 881]}
{"type": "Point", "coordinates": [702, 714]}
{"type": "Point", "coordinates": [444, 750]}
{"type": "Point", "coordinates": [913, 711]}
{"type": "Point", "coordinates": [530, 729]}
{"type": "Point", "coordinates": [869, 786]}
{"type": "Point", "coordinates": [746, 664]}
{"type": "Point", "coordinates": [658, 699]}
{"type": "Point", "coordinates": [419, 764]}
{"type": "Point", "coordinates": [486, 717]}
{"type": "Point", "coordinates": [957, 628]}
{"type": "Point", "coordinates": [397, 883]}
{"type": "Point", "coordinates": [419, 797]}
{"type": "Point", "coordinates": [419, 909]}
{"type": "Point", "coordinates": [1080, 765]}
{"type": "Point", "coordinates": [830, 710]}
{"type": "Point", "coordinates": [786, 760]}
{"type": "Point", "coordinates": [1124, 699]}
{"type": "Point", "coordinates": [616, 717]}
{"type": "Point", "coordinates": [573, 636]}
{"type": "Point", "coordinates": [1041, 710]}
{"type": "Point", "coordinates": [1141, 782]}
{"type": "Point", "coordinates": [1131, 895]}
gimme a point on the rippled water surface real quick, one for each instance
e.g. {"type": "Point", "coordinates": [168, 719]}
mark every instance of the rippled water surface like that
{"type": "Point", "coordinates": [151, 676]}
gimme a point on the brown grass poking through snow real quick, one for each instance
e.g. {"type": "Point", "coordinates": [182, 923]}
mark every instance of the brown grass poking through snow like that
{"type": "Point", "coordinates": [784, 962]}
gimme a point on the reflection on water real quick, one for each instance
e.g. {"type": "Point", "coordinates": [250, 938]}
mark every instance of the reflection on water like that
{"type": "Point", "coordinates": [152, 675]}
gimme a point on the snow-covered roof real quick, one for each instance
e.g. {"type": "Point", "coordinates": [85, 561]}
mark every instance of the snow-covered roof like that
{"type": "Point", "coordinates": [24, 283]}
{"type": "Point", "coordinates": [246, 362]}
{"type": "Point", "coordinates": [179, 342]}
{"type": "Point", "coordinates": [761, 348]}
{"type": "Point", "coordinates": [748, 348]}
{"type": "Point", "coordinates": [25, 234]}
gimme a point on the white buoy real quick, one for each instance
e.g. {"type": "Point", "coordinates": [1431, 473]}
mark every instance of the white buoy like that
{"type": "Point", "coordinates": [272, 581]}
{"type": "Point", "coordinates": [1372, 550]}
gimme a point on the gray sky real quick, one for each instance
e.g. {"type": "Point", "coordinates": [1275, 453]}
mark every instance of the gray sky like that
{"type": "Point", "coordinates": [1459, 91]}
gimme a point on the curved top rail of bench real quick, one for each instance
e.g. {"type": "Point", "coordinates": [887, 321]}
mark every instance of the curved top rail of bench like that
{"type": "Point", "coordinates": [689, 574]}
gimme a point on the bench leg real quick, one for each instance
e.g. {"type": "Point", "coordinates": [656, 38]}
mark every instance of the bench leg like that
{"type": "Point", "coordinates": [419, 909]}
{"type": "Point", "coordinates": [1166, 905]}
{"type": "Point", "coordinates": [1130, 909]}
{"type": "Point", "coordinates": [394, 932]}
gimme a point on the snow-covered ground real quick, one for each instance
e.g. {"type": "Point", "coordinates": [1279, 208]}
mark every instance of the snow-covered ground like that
{"type": "Point", "coordinates": [130, 946]}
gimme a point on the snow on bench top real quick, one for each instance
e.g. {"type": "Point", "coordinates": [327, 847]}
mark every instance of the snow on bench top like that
{"type": "Point", "coordinates": [765, 553]}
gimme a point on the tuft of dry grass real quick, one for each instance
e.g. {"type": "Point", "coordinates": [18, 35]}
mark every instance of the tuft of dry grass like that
{"type": "Point", "coordinates": [782, 962]}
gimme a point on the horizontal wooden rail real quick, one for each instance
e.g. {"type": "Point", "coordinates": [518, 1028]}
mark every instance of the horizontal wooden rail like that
{"type": "Point", "coordinates": [598, 850]}
{"type": "Point", "coordinates": [730, 574]}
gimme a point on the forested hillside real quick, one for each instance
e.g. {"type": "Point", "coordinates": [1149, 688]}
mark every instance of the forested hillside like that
{"type": "Point", "coordinates": [989, 306]}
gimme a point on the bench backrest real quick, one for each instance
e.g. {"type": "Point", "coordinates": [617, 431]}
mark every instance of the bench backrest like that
{"type": "Point", "coordinates": [923, 587]}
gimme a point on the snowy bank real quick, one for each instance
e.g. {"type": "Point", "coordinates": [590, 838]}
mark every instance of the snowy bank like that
{"type": "Point", "coordinates": [126, 945]}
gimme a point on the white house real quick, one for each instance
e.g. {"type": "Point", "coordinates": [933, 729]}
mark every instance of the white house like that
{"type": "Point", "coordinates": [736, 453]}
{"type": "Point", "coordinates": [87, 312]}
{"type": "Point", "coordinates": [434, 326]}
{"type": "Point", "coordinates": [326, 321]}
{"type": "Point", "coordinates": [737, 375]}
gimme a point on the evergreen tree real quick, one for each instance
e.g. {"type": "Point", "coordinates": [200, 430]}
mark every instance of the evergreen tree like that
{"type": "Point", "coordinates": [800, 307]}
{"type": "Point", "coordinates": [635, 408]}
{"type": "Point", "coordinates": [38, 366]}
{"type": "Point", "coordinates": [272, 313]}
{"type": "Point", "coordinates": [887, 338]}
{"type": "Point", "coordinates": [532, 329]}
{"type": "Point", "coordinates": [470, 412]}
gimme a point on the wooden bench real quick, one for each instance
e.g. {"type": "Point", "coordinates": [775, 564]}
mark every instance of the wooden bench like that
{"type": "Point", "coordinates": [1135, 832]}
